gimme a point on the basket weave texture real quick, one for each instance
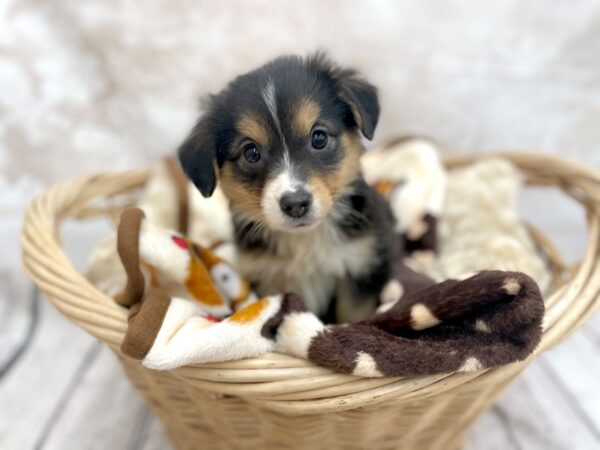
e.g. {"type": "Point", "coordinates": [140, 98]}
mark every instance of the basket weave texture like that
{"type": "Point", "coordinates": [282, 402]}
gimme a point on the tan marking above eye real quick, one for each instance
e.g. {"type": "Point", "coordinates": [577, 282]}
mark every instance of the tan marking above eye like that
{"type": "Point", "coordinates": [250, 126]}
{"type": "Point", "coordinates": [239, 195]}
{"type": "Point", "coordinates": [306, 114]}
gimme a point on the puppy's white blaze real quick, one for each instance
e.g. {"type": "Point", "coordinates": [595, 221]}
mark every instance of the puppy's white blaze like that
{"type": "Point", "coordinates": [287, 162]}
{"type": "Point", "coordinates": [284, 182]}
{"type": "Point", "coordinates": [270, 99]}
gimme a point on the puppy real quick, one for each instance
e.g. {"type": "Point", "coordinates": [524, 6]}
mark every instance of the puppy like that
{"type": "Point", "coordinates": [284, 143]}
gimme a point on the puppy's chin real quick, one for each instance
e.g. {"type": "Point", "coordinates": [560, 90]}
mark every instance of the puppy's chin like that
{"type": "Point", "coordinates": [289, 225]}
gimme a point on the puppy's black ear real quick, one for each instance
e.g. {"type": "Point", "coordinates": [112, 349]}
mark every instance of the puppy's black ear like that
{"type": "Point", "coordinates": [197, 156]}
{"type": "Point", "coordinates": [361, 96]}
{"type": "Point", "coordinates": [358, 94]}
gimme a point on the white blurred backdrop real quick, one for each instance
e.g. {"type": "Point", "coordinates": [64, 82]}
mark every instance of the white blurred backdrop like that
{"type": "Point", "coordinates": [99, 85]}
{"type": "Point", "coordinates": [95, 85]}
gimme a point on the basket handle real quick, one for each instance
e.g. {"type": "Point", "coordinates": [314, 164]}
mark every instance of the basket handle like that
{"type": "Point", "coordinates": [46, 263]}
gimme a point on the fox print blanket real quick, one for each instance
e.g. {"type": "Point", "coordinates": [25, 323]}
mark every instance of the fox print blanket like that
{"type": "Point", "coordinates": [187, 304]}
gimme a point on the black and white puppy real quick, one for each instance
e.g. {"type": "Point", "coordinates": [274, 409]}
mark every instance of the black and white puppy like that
{"type": "Point", "coordinates": [284, 143]}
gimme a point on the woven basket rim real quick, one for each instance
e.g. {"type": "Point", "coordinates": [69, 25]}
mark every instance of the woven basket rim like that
{"type": "Point", "coordinates": [284, 383]}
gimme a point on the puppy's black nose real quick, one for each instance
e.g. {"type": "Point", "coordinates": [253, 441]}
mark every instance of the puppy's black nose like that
{"type": "Point", "coordinates": [295, 204]}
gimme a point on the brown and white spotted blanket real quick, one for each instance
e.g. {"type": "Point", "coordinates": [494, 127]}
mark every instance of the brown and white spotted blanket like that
{"type": "Point", "coordinates": [187, 306]}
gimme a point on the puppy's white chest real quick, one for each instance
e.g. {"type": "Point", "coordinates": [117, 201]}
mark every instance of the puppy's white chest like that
{"type": "Point", "coordinates": [309, 264]}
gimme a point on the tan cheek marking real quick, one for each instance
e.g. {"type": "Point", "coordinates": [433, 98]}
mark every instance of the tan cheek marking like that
{"type": "Point", "coordinates": [321, 191]}
{"type": "Point", "coordinates": [250, 312]}
{"type": "Point", "coordinates": [251, 127]}
{"type": "Point", "coordinates": [239, 196]}
{"type": "Point", "coordinates": [305, 115]}
{"type": "Point", "coordinates": [349, 167]}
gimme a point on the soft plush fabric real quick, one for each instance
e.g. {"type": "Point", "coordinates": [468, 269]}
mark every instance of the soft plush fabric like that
{"type": "Point", "coordinates": [480, 227]}
{"type": "Point", "coordinates": [181, 298]}
{"type": "Point", "coordinates": [171, 201]}
{"type": "Point", "coordinates": [409, 174]}
{"type": "Point", "coordinates": [188, 305]}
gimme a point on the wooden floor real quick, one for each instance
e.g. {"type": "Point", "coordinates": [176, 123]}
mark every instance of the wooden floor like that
{"type": "Point", "coordinates": [62, 390]}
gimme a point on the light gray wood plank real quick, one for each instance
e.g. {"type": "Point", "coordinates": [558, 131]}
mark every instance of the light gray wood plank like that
{"type": "Point", "coordinates": [156, 438]}
{"type": "Point", "coordinates": [574, 366]}
{"type": "Point", "coordinates": [592, 329]}
{"type": "Point", "coordinates": [32, 390]}
{"type": "Point", "coordinates": [17, 316]}
{"type": "Point", "coordinates": [104, 410]}
{"type": "Point", "coordinates": [66, 395]}
{"type": "Point", "coordinates": [535, 411]}
{"type": "Point", "coordinates": [493, 431]}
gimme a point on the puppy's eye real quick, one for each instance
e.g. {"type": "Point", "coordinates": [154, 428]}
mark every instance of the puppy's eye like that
{"type": "Point", "coordinates": [252, 153]}
{"type": "Point", "coordinates": [319, 139]}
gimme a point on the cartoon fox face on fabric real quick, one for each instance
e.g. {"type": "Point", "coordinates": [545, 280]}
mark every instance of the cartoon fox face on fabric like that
{"type": "Point", "coordinates": [229, 285]}
{"type": "Point", "coordinates": [184, 269]}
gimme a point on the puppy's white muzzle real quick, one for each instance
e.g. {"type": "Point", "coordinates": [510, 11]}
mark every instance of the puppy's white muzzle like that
{"type": "Point", "coordinates": [289, 204]}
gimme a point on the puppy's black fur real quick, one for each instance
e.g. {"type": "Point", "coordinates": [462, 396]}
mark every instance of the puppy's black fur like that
{"type": "Point", "coordinates": [284, 142]}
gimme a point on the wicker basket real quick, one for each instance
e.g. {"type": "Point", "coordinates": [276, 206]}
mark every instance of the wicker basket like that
{"type": "Point", "coordinates": [281, 402]}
